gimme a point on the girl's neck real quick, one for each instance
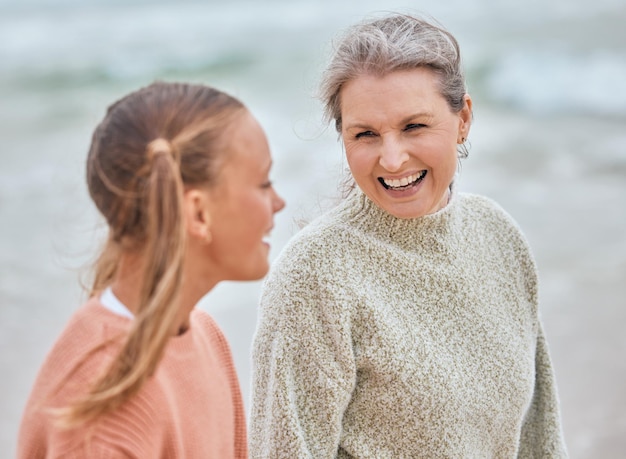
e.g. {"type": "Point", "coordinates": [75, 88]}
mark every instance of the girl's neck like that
{"type": "Point", "coordinates": [127, 286]}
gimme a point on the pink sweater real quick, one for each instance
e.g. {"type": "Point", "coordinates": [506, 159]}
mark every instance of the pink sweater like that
{"type": "Point", "coordinates": [191, 408]}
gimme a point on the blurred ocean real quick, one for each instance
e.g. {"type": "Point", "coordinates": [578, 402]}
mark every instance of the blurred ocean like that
{"type": "Point", "coordinates": [548, 78]}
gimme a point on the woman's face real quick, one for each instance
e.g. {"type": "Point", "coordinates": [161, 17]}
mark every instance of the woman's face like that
{"type": "Point", "coordinates": [243, 203]}
{"type": "Point", "coordinates": [401, 138]}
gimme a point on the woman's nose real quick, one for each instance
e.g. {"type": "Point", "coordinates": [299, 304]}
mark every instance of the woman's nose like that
{"type": "Point", "coordinates": [393, 155]}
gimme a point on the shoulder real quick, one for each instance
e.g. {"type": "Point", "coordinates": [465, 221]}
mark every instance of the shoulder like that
{"type": "Point", "coordinates": [82, 350]}
{"type": "Point", "coordinates": [485, 207]}
{"type": "Point", "coordinates": [92, 322]}
{"type": "Point", "coordinates": [312, 259]}
{"type": "Point", "coordinates": [496, 230]}
{"type": "Point", "coordinates": [313, 276]}
{"type": "Point", "coordinates": [211, 337]}
{"type": "Point", "coordinates": [92, 332]}
{"type": "Point", "coordinates": [324, 242]}
{"type": "Point", "coordinates": [89, 339]}
{"type": "Point", "coordinates": [203, 321]}
{"type": "Point", "coordinates": [489, 215]}
{"type": "Point", "coordinates": [320, 235]}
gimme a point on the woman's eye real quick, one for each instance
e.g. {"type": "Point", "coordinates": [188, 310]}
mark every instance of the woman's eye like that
{"type": "Point", "coordinates": [267, 184]}
{"type": "Point", "coordinates": [410, 127]}
{"type": "Point", "coordinates": [364, 134]}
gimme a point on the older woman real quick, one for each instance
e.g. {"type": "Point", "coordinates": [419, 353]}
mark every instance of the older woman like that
{"type": "Point", "coordinates": [404, 322]}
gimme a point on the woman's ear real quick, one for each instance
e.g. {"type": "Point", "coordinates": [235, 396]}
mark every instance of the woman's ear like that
{"type": "Point", "coordinates": [465, 118]}
{"type": "Point", "coordinates": [197, 214]}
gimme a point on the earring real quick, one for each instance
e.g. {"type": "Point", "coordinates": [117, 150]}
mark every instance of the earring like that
{"type": "Point", "coordinates": [462, 149]}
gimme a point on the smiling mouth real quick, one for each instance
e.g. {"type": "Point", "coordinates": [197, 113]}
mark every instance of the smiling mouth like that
{"type": "Point", "coordinates": [266, 237]}
{"type": "Point", "coordinates": [403, 183]}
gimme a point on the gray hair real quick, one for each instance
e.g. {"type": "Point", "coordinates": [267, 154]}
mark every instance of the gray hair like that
{"type": "Point", "coordinates": [396, 42]}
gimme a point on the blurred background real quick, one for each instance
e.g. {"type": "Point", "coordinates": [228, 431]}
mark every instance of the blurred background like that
{"type": "Point", "coordinates": [548, 78]}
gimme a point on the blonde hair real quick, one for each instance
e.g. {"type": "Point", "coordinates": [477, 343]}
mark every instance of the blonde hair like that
{"type": "Point", "coordinates": [151, 145]}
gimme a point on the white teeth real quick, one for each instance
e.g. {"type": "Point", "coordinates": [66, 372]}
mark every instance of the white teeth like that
{"type": "Point", "coordinates": [404, 181]}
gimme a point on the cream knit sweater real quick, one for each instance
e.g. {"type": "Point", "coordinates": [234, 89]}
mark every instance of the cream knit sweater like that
{"type": "Point", "coordinates": [388, 338]}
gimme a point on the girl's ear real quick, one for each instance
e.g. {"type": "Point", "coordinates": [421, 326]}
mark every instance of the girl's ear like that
{"type": "Point", "coordinates": [197, 214]}
{"type": "Point", "coordinates": [465, 118]}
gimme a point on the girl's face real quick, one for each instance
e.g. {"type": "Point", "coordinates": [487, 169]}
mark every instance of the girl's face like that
{"type": "Point", "coordinates": [242, 204]}
{"type": "Point", "coordinates": [401, 139]}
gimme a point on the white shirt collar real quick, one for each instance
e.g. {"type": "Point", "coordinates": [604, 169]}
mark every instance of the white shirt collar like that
{"type": "Point", "coordinates": [110, 301]}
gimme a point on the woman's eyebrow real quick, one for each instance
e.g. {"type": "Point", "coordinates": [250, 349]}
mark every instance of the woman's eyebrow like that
{"type": "Point", "coordinates": [412, 117]}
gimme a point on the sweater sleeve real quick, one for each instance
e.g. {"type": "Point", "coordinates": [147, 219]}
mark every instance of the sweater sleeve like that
{"type": "Point", "coordinates": [541, 436]}
{"type": "Point", "coordinates": [303, 366]}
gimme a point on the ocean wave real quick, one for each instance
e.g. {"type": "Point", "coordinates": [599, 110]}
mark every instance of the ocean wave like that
{"type": "Point", "coordinates": [97, 43]}
{"type": "Point", "coordinates": [560, 82]}
{"type": "Point", "coordinates": [91, 42]}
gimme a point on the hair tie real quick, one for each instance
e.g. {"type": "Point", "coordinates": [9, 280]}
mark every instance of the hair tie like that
{"type": "Point", "coordinates": [160, 146]}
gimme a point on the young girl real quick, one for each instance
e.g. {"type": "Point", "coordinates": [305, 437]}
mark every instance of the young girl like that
{"type": "Point", "coordinates": [180, 173]}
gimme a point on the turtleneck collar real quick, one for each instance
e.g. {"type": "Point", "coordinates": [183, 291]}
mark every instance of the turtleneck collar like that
{"type": "Point", "coordinates": [431, 229]}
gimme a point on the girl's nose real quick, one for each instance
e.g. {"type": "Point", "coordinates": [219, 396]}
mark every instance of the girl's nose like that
{"type": "Point", "coordinates": [278, 203]}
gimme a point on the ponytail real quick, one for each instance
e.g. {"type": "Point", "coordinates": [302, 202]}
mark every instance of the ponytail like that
{"type": "Point", "coordinates": [139, 356]}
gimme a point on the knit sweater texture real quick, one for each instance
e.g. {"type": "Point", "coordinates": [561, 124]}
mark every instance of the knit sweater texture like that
{"type": "Point", "coordinates": [190, 408]}
{"type": "Point", "coordinates": [381, 337]}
